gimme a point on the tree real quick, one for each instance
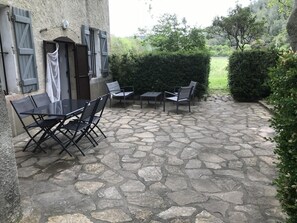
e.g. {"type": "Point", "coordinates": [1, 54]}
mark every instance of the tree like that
{"type": "Point", "coordinates": [292, 28]}
{"type": "Point", "coordinates": [170, 35]}
{"type": "Point", "coordinates": [239, 27]}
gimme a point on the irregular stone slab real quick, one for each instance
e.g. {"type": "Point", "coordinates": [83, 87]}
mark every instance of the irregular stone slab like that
{"type": "Point", "coordinates": [210, 157]}
{"type": "Point", "coordinates": [29, 162]}
{"type": "Point", "coordinates": [133, 186]}
{"type": "Point", "coordinates": [145, 135]}
{"type": "Point", "coordinates": [146, 199]}
{"type": "Point", "coordinates": [176, 183]}
{"type": "Point", "coordinates": [174, 212]}
{"type": "Point", "coordinates": [27, 171]}
{"type": "Point", "coordinates": [63, 201]}
{"type": "Point", "coordinates": [193, 164]}
{"type": "Point", "coordinates": [131, 166]}
{"type": "Point", "coordinates": [111, 177]}
{"type": "Point", "coordinates": [173, 160]}
{"type": "Point", "coordinates": [110, 193]}
{"type": "Point", "coordinates": [108, 204]}
{"type": "Point", "coordinates": [94, 168]}
{"type": "Point", "coordinates": [188, 153]}
{"type": "Point", "coordinates": [88, 187]}
{"type": "Point", "coordinates": [206, 217]}
{"type": "Point", "coordinates": [244, 153]}
{"type": "Point", "coordinates": [150, 173]}
{"type": "Point", "coordinates": [198, 173]}
{"type": "Point", "coordinates": [205, 185]}
{"type": "Point", "coordinates": [112, 160]}
{"type": "Point", "coordinates": [73, 218]}
{"type": "Point", "coordinates": [234, 173]}
{"type": "Point", "coordinates": [112, 215]}
{"type": "Point", "coordinates": [185, 197]}
{"type": "Point", "coordinates": [234, 197]}
{"type": "Point", "coordinates": [254, 175]}
{"type": "Point", "coordinates": [236, 217]}
{"type": "Point", "coordinates": [216, 206]}
{"type": "Point", "coordinates": [140, 213]}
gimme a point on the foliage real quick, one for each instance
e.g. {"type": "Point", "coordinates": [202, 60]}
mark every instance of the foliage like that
{"type": "Point", "coordinates": [170, 35]}
{"type": "Point", "coordinates": [248, 74]}
{"type": "Point", "coordinates": [284, 6]}
{"type": "Point", "coordinates": [275, 34]}
{"type": "Point", "coordinates": [161, 71]}
{"type": "Point", "coordinates": [239, 27]}
{"type": "Point", "coordinates": [125, 45]}
{"type": "Point", "coordinates": [284, 94]}
{"type": "Point", "coordinates": [220, 50]}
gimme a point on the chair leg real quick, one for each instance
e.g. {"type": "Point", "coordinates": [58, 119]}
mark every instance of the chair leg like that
{"type": "Point", "coordinates": [189, 106]}
{"type": "Point", "coordinates": [176, 107]}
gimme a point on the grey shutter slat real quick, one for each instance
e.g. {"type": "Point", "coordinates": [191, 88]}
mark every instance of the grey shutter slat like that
{"type": "Point", "coordinates": [86, 40]}
{"type": "Point", "coordinates": [25, 49]}
{"type": "Point", "coordinates": [104, 53]}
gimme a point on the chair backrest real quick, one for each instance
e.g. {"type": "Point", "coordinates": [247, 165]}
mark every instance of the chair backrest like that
{"type": "Point", "coordinates": [101, 104]}
{"type": "Point", "coordinates": [22, 105]}
{"type": "Point", "coordinates": [193, 84]}
{"type": "Point", "coordinates": [89, 111]}
{"type": "Point", "coordinates": [184, 93]}
{"type": "Point", "coordinates": [113, 87]}
{"type": "Point", "coordinates": [41, 99]}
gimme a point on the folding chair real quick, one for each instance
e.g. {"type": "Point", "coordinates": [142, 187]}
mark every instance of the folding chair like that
{"type": "Point", "coordinates": [26, 104]}
{"type": "Point", "coordinates": [79, 128]}
{"type": "Point", "coordinates": [42, 100]}
{"type": "Point", "coordinates": [183, 96]}
{"type": "Point", "coordinates": [99, 111]}
{"type": "Point", "coordinates": [117, 92]}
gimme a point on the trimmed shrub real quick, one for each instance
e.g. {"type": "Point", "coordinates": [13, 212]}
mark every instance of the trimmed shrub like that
{"type": "Point", "coordinates": [248, 74]}
{"type": "Point", "coordinates": [284, 98]}
{"type": "Point", "coordinates": [161, 71]}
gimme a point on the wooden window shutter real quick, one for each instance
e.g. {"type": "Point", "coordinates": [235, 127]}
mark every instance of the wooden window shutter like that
{"type": "Point", "coordinates": [25, 49]}
{"type": "Point", "coordinates": [86, 40]}
{"type": "Point", "coordinates": [104, 53]}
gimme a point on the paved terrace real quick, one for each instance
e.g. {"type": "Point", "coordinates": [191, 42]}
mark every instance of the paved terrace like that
{"type": "Point", "coordinates": [212, 165]}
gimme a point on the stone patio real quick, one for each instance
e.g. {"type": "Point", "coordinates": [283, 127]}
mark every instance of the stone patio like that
{"type": "Point", "coordinates": [211, 165]}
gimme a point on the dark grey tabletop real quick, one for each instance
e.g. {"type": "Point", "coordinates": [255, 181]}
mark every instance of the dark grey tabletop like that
{"type": "Point", "coordinates": [61, 108]}
{"type": "Point", "coordinates": [151, 94]}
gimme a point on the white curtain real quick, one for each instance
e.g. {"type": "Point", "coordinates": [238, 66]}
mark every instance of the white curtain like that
{"type": "Point", "coordinates": [53, 85]}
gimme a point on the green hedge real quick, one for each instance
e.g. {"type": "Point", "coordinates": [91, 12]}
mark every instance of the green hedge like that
{"type": "Point", "coordinates": [284, 98]}
{"type": "Point", "coordinates": [248, 74]}
{"type": "Point", "coordinates": [161, 71]}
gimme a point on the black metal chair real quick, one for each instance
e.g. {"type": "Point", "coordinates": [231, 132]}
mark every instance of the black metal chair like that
{"type": "Point", "coordinates": [120, 93]}
{"type": "Point", "coordinates": [192, 84]}
{"type": "Point", "coordinates": [42, 100]}
{"type": "Point", "coordinates": [98, 114]}
{"type": "Point", "coordinates": [76, 129]}
{"type": "Point", "coordinates": [183, 96]}
{"type": "Point", "coordinates": [44, 126]}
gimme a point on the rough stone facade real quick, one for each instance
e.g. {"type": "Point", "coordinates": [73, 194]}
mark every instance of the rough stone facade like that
{"type": "Point", "coordinates": [10, 210]}
{"type": "Point", "coordinates": [292, 28]}
{"type": "Point", "coordinates": [47, 17]}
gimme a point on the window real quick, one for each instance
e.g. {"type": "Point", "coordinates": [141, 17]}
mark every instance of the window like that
{"type": "Point", "coordinates": [96, 42]}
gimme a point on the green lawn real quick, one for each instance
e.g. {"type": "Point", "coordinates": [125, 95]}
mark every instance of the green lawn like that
{"type": "Point", "coordinates": [218, 79]}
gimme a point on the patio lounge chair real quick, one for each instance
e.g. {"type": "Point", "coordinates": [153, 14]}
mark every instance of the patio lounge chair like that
{"type": "Point", "coordinates": [117, 92]}
{"type": "Point", "coordinates": [183, 96]}
{"type": "Point", "coordinates": [192, 84]}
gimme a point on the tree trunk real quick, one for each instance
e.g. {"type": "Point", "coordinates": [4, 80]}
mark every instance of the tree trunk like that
{"type": "Point", "coordinates": [292, 28]}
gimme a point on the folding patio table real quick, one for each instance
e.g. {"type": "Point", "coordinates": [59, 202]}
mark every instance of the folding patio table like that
{"type": "Point", "coordinates": [65, 109]}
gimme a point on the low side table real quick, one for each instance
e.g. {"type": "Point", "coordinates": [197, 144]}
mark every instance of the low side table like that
{"type": "Point", "coordinates": [150, 96]}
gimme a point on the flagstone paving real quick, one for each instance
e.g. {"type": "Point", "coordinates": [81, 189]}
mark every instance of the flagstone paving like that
{"type": "Point", "coordinates": [213, 165]}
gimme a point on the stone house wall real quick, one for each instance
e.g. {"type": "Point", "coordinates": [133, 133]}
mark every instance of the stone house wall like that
{"type": "Point", "coordinates": [47, 17]}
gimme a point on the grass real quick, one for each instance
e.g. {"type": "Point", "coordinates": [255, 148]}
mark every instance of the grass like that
{"type": "Point", "coordinates": [218, 76]}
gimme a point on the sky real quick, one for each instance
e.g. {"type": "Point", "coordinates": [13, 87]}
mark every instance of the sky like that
{"type": "Point", "coordinates": [126, 16]}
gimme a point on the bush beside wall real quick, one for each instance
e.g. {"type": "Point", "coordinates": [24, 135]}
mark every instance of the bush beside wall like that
{"type": "Point", "coordinates": [248, 74]}
{"type": "Point", "coordinates": [161, 71]}
{"type": "Point", "coordinates": [284, 98]}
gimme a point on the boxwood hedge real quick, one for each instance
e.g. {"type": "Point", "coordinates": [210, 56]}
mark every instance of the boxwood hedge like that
{"type": "Point", "coordinates": [161, 71]}
{"type": "Point", "coordinates": [248, 74]}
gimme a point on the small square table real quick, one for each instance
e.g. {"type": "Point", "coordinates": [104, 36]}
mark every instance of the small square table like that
{"type": "Point", "coordinates": [150, 96]}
